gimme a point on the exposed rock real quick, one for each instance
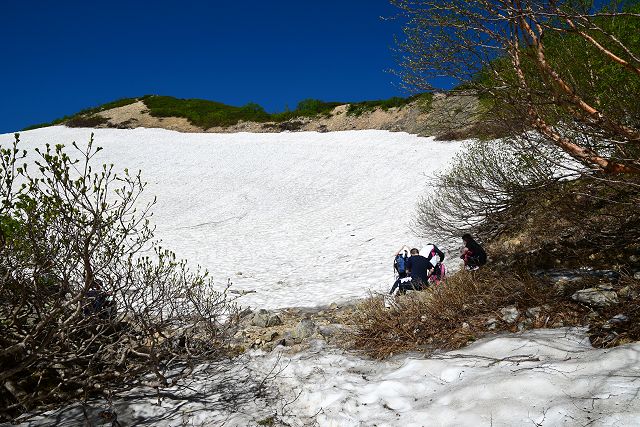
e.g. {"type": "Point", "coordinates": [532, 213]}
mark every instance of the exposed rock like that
{"type": "Point", "coordinates": [491, 323]}
{"type": "Point", "coordinates": [304, 329]}
{"type": "Point", "coordinates": [533, 312]}
{"type": "Point", "coordinates": [244, 313]}
{"type": "Point", "coordinates": [510, 314]}
{"type": "Point", "coordinates": [619, 319]}
{"type": "Point", "coordinates": [525, 324]}
{"type": "Point", "coordinates": [628, 293]}
{"type": "Point", "coordinates": [636, 275]}
{"type": "Point", "coordinates": [269, 336]}
{"type": "Point", "coordinates": [446, 116]}
{"type": "Point", "coordinates": [597, 297]}
{"type": "Point", "coordinates": [265, 319]}
{"type": "Point", "coordinates": [241, 292]}
{"type": "Point", "coordinates": [329, 331]}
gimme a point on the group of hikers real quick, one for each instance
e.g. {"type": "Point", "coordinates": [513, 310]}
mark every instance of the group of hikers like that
{"type": "Point", "coordinates": [416, 272]}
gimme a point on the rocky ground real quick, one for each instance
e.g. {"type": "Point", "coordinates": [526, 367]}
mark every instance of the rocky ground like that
{"type": "Point", "coordinates": [604, 298]}
{"type": "Point", "coordinates": [293, 328]}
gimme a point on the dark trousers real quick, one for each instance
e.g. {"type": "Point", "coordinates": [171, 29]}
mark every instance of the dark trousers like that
{"type": "Point", "coordinates": [413, 285]}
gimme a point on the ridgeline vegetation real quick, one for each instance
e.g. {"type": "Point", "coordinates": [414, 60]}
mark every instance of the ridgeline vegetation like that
{"type": "Point", "coordinates": [207, 114]}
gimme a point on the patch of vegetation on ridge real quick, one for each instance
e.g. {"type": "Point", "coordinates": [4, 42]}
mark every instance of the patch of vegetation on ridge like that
{"type": "Point", "coordinates": [208, 114]}
{"type": "Point", "coordinates": [87, 116]}
{"type": "Point", "coordinates": [359, 108]}
{"type": "Point", "coordinates": [204, 113]}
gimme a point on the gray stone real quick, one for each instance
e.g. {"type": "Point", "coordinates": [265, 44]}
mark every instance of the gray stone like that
{"type": "Point", "coordinates": [628, 293]}
{"type": "Point", "coordinates": [304, 329]}
{"type": "Point", "coordinates": [636, 275]}
{"type": "Point", "coordinates": [327, 330]}
{"type": "Point", "coordinates": [510, 314]}
{"type": "Point", "coordinates": [244, 313]}
{"type": "Point", "coordinates": [525, 324]}
{"type": "Point", "coordinates": [491, 323]}
{"type": "Point", "coordinates": [269, 336]}
{"type": "Point", "coordinates": [619, 318]}
{"type": "Point", "coordinates": [265, 319]}
{"type": "Point", "coordinates": [533, 312]}
{"type": "Point", "coordinates": [597, 297]}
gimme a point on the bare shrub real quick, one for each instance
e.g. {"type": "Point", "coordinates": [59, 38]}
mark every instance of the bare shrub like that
{"type": "Point", "coordinates": [450, 316]}
{"type": "Point", "coordinates": [485, 179]}
{"type": "Point", "coordinates": [88, 303]}
{"type": "Point", "coordinates": [619, 324]}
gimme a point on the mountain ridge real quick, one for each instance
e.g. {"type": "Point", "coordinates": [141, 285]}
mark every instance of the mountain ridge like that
{"type": "Point", "coordinates": [446, 116]}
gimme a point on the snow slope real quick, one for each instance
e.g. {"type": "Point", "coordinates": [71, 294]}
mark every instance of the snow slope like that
{"type": "Point", "coordinates": [311, 219]}
{"type": "Point", "coordinates": [306, 218]}
{"type": "Point", "coordinates": [538, 378]}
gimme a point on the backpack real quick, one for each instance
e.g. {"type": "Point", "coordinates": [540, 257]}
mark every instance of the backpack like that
{"type": "Point", "coordinates": [438, 274]}
{"type": "Point", "coordinates": [400, 263]}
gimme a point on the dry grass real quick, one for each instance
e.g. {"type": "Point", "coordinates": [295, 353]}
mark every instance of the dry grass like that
{"type": "Point", "coordinates": [607, 333]}
{"type": "Point", "coordinates": [452, 315]}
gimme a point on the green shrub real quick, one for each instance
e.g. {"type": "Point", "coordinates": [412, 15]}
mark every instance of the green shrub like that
{"type": "Point", "coordinates": [203, 113]}
{"type": "Point", "coordinates": [86, 117]}
{"type": "Point", "coordinates": [82, 121]}
{"type": "Point", "coordinates": [359, 108]}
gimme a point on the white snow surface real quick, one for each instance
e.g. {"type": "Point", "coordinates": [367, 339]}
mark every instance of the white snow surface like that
{"type": "Point", "coordinates": [538, 378]}
{"type": "Point", "coordinates": [311, 219]}
{"type": "Point", "coordinates": [306, 218]}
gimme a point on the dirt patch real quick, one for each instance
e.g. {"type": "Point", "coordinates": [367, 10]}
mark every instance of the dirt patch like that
{"type": "Point", "coordinates": [136, 115]}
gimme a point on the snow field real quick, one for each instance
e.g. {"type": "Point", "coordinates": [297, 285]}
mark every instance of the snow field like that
{"type": "Point", "coordinates": [310, 219]}
{"type": "Point", "coordinates": [306, 218]}
{"type": "Point", "coordinates": [542, 377]}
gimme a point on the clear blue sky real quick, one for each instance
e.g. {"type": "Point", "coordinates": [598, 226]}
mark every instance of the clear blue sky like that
{"type": "Point", "coordinates": [59, 57]}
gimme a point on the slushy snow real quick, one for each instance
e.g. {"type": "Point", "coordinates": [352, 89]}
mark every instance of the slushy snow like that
{"type": "Point", "coordinates": [306, 219]}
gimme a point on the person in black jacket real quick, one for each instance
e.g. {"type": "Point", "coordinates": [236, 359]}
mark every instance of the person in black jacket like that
{"type": "Point", "coordinates": [418, 270]}
{"type": "Point", "coordinates": [473, 255]}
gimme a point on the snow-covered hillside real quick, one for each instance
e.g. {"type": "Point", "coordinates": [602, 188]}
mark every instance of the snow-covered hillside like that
{"type": "Point", "coordinates": [303, 219]}
{"type": "Point", "coordinates": [310, 219]}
